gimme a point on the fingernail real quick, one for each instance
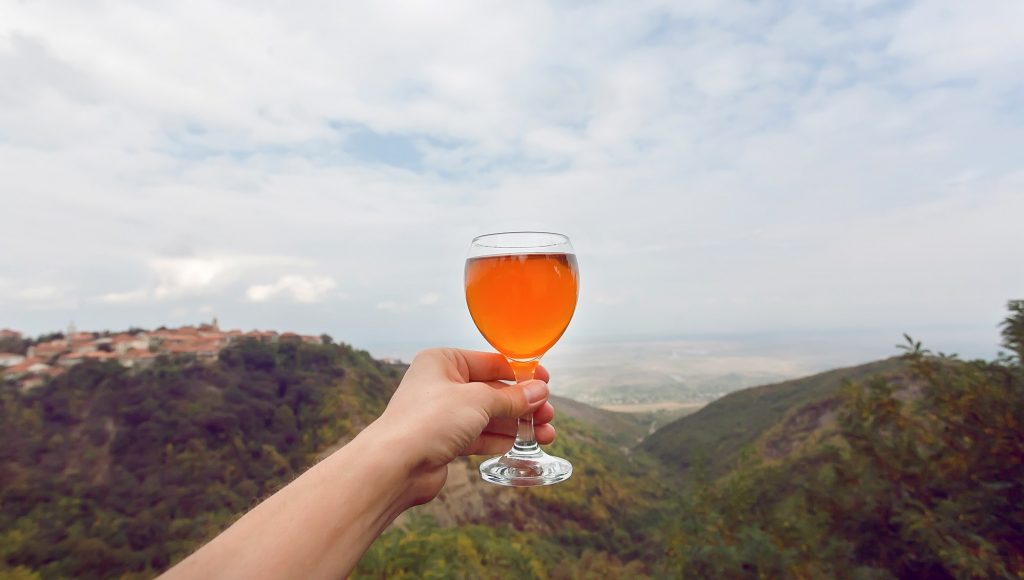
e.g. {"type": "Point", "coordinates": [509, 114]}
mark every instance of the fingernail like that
{"type": "Point", "coordinates": [535, 391]}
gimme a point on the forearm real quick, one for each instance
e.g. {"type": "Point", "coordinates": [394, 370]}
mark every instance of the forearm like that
{"type": "Point", "coordinates": [320, 524]}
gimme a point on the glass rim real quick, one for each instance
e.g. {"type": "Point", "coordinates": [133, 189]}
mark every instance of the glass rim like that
{"type": "Point", "coordinates": [563, 239]}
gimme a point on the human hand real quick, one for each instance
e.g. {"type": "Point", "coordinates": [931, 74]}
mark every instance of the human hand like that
{"type": "Point", "coordinates": [451, 403]}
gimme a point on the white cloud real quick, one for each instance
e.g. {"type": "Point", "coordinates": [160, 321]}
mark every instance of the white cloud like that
{"type": "Point", "coordinates": [195, 277]}
{"type": "Point", "coordinates": [46, 297]}
{"type": "Point", "coordinates": [178, 277]}
{"type": "Point", "coordinates": [302, 289]}
{"type": "Point", "coordinates": [129, 297]}
{"type": "Point", "coordinates": [712, 153]}
{"type": "Point", "coordinates": [947, 39]}
{"type": "Point", "coordinates": [39, 294]}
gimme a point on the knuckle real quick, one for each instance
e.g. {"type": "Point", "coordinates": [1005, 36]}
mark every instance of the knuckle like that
{"type": "Point", "coordinates": [516, 400]}
{"type": "Point", "coordinates": [428, 353]}
{"type": "Point", "coordinates": [431, 354]}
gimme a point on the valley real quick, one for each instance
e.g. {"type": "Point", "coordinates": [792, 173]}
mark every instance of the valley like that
{"type": "Point", "coordinates": [825, 475]}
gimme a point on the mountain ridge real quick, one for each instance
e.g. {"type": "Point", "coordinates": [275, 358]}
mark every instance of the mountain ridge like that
{"type": "Point", "coordinates": [149, 463]}
{"type": "Point", "coordinates": [715, 435]}
{"type": "Point", "coordinates": [107, 471]}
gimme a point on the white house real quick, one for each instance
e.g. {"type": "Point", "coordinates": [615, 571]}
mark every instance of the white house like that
{"type": "Point", "coordinates": [122, 343]}
{"type": "Point", "coordinates": [70, 359]}
{"type": "Point", "coordinates": [9, 359]}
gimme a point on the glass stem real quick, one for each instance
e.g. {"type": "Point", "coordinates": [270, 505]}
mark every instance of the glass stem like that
{"type": "Point", "coordinates": [526, 441]}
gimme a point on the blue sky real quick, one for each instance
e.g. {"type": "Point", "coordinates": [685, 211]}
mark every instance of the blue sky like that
{"type": "Point", "coordinates": [790, 169]}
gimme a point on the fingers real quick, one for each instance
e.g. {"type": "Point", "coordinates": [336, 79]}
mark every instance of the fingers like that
{"type": "Point", "coordinates": [544, 414]}
{"type": "Point", "coordinates": [545, 434]}
{"type": "Point", "coordinates": [495, 444]}
{"type": "Point", "coordinates": [473, 365]}
{"type": "Point", "coordinates": [512, 401]}
{"type": "Point", "coordinates": [481, 366]}
{"type": "Point", "coordinates": [490, 444]}
{"type": "Point", "coordinates": [506, 426]}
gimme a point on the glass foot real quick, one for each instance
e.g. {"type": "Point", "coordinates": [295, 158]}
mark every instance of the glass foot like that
{"type": "Point", "coordinates": [525, 468]}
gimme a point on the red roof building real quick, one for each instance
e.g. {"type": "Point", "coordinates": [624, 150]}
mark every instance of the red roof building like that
{"type": "Point", "coordinates": [70, 359]}
{"type": "Point", "coordinates": [99, 355]}
{"type": "Point", "coordinates": [137, 358]}
{"type": "Point", "coordinates": [48, 349]}
{"type": "Point", "coordinates": [23, 367]}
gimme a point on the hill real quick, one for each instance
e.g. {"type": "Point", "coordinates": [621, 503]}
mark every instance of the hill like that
{"type": "Point", "coordinates": [602, 522]}
{"type": "Point", "coordinates": [918, 476]}
{"type": "Point", "coordinates": [105, 472]}
{"type": "Point", "coordinates": [907, 467]}
{"type": "Point", "coordinates": [620, 429]}
{"type": "Point", "coordinates": [715, 436]}
{"type": "Point", "coordinates": [109, 471]}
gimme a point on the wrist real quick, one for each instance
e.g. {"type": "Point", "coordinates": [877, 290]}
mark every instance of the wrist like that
{"type": "Point", "coordinates": [320, 524]}
{"type": "Point", "coordinates": [388, 462]}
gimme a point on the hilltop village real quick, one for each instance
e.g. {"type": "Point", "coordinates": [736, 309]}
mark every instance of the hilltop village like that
{"type": "Point", "coordinates": [135, 348]}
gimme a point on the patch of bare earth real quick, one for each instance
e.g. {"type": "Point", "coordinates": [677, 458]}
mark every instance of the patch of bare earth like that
{"type": "Point", "coordinates": [816, 420]}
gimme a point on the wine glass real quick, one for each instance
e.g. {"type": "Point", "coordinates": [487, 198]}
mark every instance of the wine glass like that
{"type": "Point", "coordinates": [521, 289]}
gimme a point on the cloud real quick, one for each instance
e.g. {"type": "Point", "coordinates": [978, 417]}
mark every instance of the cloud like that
{"type": "Point", "coordinates": [949, 39]}
{"type": "Point", "coordinates": [750, 158]}
{"type": "Point", "coordinates": [178, 277]}
{"type": "Point", "coordinates": [305, 290]}
{"type": "Point", "coordinates": [45, 297]}
{"type": "Point", "coordinates": [194, 277]}
{"type": "Point", "coordinates": [129, 297]}
{"type": "Point", "coordinates": [39, 294]}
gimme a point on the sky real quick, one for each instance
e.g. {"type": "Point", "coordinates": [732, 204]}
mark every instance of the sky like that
{"type": "Point", "coordinates": [758, 169]}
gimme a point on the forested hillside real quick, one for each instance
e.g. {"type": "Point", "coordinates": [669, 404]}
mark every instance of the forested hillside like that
{"type": "Point", "coordinates": [919, 477]}
{"type": "Point", "coordinates": [714, 437]}
{"type": "Point", "coordinates": [604, 520]}
{"type": "Point", "coordinates": [105, 472]}
{"type": "Point", "coordinates": [905, 468]}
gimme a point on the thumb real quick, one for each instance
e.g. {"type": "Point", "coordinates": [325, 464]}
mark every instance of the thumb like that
{"type": "Point", "coordinates": [516, 400]}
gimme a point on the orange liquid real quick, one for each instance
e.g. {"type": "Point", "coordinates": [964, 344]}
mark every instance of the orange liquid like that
{"type": "Point", "coordinates": [522, 303]}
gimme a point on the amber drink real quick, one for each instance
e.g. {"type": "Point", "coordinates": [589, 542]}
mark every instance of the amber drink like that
{"type": "Point", "coordinates": [522, 303]}
{"type": "Point", "coordinates": [521, 289]}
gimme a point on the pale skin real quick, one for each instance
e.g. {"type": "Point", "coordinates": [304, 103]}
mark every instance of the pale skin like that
{"type": "Point", "coordinates": [449, 404]}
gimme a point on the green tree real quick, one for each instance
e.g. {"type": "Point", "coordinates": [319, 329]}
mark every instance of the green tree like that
{"type": "Point", "coordinates": [1013, 329]}
{"type": "Point", "coordinates": [922, 476]}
